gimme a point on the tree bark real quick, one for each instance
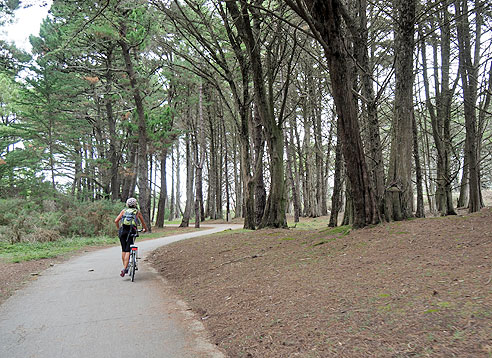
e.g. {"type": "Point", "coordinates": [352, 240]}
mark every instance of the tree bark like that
{"type": "Point", "coordinates": [337, 186]}
{"type": "Point", "coordinates": [468, 72]}
{"type": "Point", "coordinates": [274, 215]}
{"type": "Point", "coordinates": [420, 213]}
{"type": "Point", "coordinates": [440, 116]}
{"type": "Point", "coordinates": [161, 206]}
{"type": "Point", "coordinates": [171, 200]}
{"type": "Point", "coordinates": [327, 23]}
{"type": "Point", "coordinates": [185, 221]}
{"type": "Point", "coordinates": [375, 152]}
{"type": "Point", "coordinates": [399, 194]}
{"type": "Point", "coordinates": [143, 179]}
{"type": "Point", "coordinates": [290, 177]}
{"type": "Point", "coordinates": [259, 143]}
{"type": "Point", "coordinates": [113, 142]}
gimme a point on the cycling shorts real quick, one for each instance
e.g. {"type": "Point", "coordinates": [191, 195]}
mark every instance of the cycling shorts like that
{"type": "Point", "coordinates": [126, 233]}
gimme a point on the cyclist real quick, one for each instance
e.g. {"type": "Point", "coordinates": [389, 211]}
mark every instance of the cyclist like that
{"type": "Point", "coordinates": [129, 217]}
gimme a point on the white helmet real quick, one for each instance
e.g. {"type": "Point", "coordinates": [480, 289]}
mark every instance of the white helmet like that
{"type": "Point", "coordinates": [131, 203]}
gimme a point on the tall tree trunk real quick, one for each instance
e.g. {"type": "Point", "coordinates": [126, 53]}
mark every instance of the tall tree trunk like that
{"type": "Point", "coordinates": [290, 177]}
{"type": "Point", "coordinates": [469, 84]}
{"type": "Point", "coordinates": [143, 179]}
{"type": "Point", "coordinates": [172, 199]}
{"type": "Point", "coordinates": [441, 117]}
{"type": "Point", "coordinates": [327, 15]}
{"type": "Point", "coordinates": [259, 143]}
{"type": "Point", "coordinates": [226, 173]}
{"type": "Point", "coordinates": [185, 221]}
{"type": "Point", "coordinates": [211, 209]}
{"type": "Point", "coordinates": [399, 197]}
{"type": "Point", "coordinates": [219, 185]}
{"type": "Point", "coordinates": [274, 215]}
{"type": "Point", "coordinates": [178, 211]}
{"type": "Point", "coordinates": [238, 183]}
{"type": "Point", "coordinates": [420, 213]}
{"type": "Point", "coordinates": [113, 141]}
{"type": "Point", "coordinates": [337, 186]}
{"type": "Point", "coordinates": [375, 162]}
{"type": "Point", "coordinates": [161, 206]}
{"type": "Point", "coordinates": [199, 144]}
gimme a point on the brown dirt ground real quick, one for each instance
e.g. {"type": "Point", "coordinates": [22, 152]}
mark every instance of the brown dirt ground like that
{"type": "Point", "coordinates": [14, 275]}
{"type": "Point", "coordinates": [419, 288]}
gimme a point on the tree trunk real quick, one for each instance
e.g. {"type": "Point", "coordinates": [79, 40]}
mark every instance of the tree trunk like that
{"type": "Point", "coordinates": [375, 153]}
{"type": "Point", "coordinates": [161, 206]}
{"type": "Point", "coordinates": [238, 182]}
{"type": "Point", "coordinates": [290, 177]}
{"type": "Point", "coordinates": [171, 201]}
{"type": "Point", "coordinates": [327, 15]}
{"type": "Point", "coordinates": [185, 222]}
{"type": "Point", "coordinates": [441, 115]}
{"type": "Point", "coordinates": [420, 213]}
{"type": "Point", "coordinates": [226, 173]}
{"type": "Point", "coordinates": [337, 186]}
{"type": "Point", "coordinates": [274, 215]}
{"type": "Point", "coordinates": [399, 195]}
{"type": "Point", "coordinates": [259, 143]}
{"type": "Point", "coordinates": [113, 141]}
{"type": "Point", "coordinates": [178, 212]}
{"type": "Point", "coordinates": [348, 213]}
{"type": "Point", "coordinates": [469, 81]}
{"type": "Point", "coordinates": [143, 179]}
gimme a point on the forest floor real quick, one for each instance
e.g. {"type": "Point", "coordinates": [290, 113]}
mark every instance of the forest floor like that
{"type": "Point", "coordinates": [14, 275]}
{"type": "Point", "coordinates": [418, 288]}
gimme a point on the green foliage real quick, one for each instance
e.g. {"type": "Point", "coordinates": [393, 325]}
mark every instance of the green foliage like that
{"type": "Point", "coordinates": [48, 220]}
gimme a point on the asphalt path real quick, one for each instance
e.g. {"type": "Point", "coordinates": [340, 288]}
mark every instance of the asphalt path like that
{"type": "Point", "coordinates": [83, 308]}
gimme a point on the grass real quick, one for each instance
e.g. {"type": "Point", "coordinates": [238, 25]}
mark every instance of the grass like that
{"type": "Point", "coordinates": [26, 251]}
{"type": "Point", "coordinates": [339, 230]}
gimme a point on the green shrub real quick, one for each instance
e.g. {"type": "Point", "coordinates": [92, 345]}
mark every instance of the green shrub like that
{"type": "Point", "coordinates": [52, 219]}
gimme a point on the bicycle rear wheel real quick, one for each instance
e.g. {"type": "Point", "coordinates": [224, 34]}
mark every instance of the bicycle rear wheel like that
{"type": "Point", "coordinates": [134, 264]}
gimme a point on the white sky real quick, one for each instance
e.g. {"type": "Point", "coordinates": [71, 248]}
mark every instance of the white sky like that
{"type": "Point", "coordinates": [26, 22]}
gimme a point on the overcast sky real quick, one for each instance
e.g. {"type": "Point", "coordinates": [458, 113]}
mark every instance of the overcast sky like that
{"type": "Point", "coordinates": [26, 22]}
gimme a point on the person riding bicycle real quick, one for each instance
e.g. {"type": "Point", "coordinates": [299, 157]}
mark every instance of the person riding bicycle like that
{"type": "Point", "coordinates": [129, 217]}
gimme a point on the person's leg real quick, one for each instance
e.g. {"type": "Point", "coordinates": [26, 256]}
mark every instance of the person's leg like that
{"type": "Point", "coordinates": [126, 259]}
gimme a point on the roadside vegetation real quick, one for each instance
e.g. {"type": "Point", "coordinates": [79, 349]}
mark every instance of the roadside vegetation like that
{"type": "Point", "coordinates": [41, 228]}
{"type": "Point", "coordinates": [32, 229]}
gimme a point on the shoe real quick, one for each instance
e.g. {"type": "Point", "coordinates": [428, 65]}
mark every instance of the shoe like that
{"type": "Point", "coordinates": [126, 270]}
{"type": "Point", "coordinates": [122, 273]}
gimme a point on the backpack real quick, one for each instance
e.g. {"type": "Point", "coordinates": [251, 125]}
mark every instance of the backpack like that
{"type": "Point", "coordinates": [130, 217]}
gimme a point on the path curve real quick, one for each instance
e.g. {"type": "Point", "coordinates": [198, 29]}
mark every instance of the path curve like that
{"type": "Point", "coordinates": [82, 308]}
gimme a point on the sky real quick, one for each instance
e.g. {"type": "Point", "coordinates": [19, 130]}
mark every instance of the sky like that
{"type": "Point", "coordinates": [26, 22]}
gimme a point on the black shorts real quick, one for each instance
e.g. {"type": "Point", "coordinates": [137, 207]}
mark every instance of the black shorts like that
{"type": "Point", "coordinates": [126, 233]}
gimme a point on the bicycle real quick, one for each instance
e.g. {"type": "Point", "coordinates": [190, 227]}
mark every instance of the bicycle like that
{"type": "Point", "coordinates": [132, 263]}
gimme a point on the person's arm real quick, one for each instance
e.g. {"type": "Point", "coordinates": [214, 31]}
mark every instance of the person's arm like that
{"type": "Point", "coordinates": [140, 217]}
{"type": "Point", "coordinates": [118, 218]}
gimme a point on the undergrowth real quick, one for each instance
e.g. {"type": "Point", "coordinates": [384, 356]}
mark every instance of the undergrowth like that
{"type": "Point", "coordinates": [49, 220]}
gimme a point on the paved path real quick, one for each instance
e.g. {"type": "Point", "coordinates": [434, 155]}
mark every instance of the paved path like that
{"type": "Point", "coordinates": [83, 308]}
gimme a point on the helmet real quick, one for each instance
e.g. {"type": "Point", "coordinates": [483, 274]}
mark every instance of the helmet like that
{"type": "Point", "coordinates": [131, 203]}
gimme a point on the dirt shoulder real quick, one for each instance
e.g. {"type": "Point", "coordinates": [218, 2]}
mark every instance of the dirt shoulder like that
{"type": "Point", "coordinates": [416, 288]}
{"type": "Point", "coordinates": [14, 276]}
